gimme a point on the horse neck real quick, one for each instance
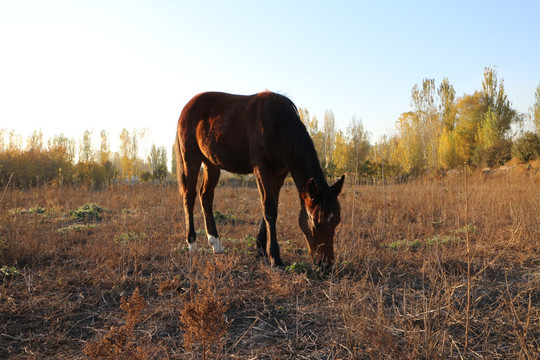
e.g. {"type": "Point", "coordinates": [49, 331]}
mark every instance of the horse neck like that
{"type": "Point", "coordinates": [306, 167]}
{"type": "Point", "coordinates": [299, 152]}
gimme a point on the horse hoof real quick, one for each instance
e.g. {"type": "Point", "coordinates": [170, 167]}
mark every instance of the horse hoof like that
{"type": "Point", "coordinates": [277, 263]}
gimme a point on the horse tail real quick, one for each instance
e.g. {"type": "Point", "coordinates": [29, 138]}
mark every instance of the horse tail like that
{"type": "Point", "coordinates": [180, 176]}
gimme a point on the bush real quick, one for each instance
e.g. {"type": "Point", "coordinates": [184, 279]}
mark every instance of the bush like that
{"type": "Point", "coordinates": [527, 147]}
{"type": "Point", "coordinates": [145, 177]}
{"type": "Point", "coordinates": [499, 153]}
{"type": "Point", "coordinates": [32, 168]}
{"type": "Point", "coordinates": [90, 173]}
{"type": "Point", "coordinates": [88, 212]}
{"type": "Point", "coordinates": [160, 172]}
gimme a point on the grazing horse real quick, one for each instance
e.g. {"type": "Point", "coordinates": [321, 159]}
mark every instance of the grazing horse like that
{"type": "Point", "coordinates": [260, 134]}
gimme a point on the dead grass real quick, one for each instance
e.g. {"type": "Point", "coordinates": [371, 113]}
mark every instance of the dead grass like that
{"type": "Point", "coordinates": [399, 289]}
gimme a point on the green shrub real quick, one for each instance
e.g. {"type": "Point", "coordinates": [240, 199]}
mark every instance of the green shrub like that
{"type": "Point", "coordinates": [299, 267]}
{"type": "Point", "coordinates": [8, 271]}
{"type": "Point", "coordinates": [160, 172]}
{"type": "Point", "coordinates": [406, 245]}
{"type": "Point", "coordinates": [88, 212]}
{"type": "Point", "coordinates": [527, 147]}
{"type": "Point", "coordinates": [89, 228]}
{"type": "Point", "coordinates": [131, 236]}
{"type": "Point", "coordinates": [145, 177]}
{"type": "Point", "coordinates": [442, 240]}
{"type": "Point", "coordinates": [499, 153]}
{"type": "Point", "coordinates": [221, 218]}
{"type": "Point", "coordinates": [91, 173]}
{"type": "Point", "coordinates": [471, 228]}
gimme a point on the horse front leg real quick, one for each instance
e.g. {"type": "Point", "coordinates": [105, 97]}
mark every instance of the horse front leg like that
{"type": "Point", "coordinates": [272, 247]}
{"type": "Point", "coordinates": [269, 203]}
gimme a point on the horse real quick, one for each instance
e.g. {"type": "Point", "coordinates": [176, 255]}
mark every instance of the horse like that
{"type": "Point", "coordinates": [264, 135]}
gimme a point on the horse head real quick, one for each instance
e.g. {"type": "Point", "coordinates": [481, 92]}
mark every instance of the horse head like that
{"type": "Point", "coordinates": [319, 217]}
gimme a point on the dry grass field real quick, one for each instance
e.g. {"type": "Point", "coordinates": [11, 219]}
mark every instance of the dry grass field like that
{"type": "Point", "coordinates": [435, 269]}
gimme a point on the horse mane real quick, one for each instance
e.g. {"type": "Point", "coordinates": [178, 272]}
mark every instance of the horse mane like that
{"type": "Point", "coordinates": [296, 140]}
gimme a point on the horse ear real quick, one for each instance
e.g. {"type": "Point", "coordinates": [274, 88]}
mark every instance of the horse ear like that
{"type": "Point", "coordinates": [338, 185]}
{"type": "Point", "coordinates": [312, 188]}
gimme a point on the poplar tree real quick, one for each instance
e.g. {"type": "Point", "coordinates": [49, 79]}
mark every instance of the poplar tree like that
{"type": "Point", "coordinates": [85, 148]}
{"type": "Point", "coordinates": [536, 110]}
{"type": "Point", "coordinates": [104, 149]}
{"type": "Point", "coordinates": [35, 141]}
{"type": "Point", "coordinates": [125, 161]}
{"type": "Point", "coordinates": [329, 137]}
{"type": "Point", "coordinates": [498, 113]}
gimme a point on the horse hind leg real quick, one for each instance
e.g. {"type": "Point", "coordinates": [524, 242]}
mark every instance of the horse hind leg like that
{"type": "Point", "coordinates": [210, 180]}
{"type": "Point", "coordinates": [188, 187]}
{"type": "Point", "coordinates": [261, 241]}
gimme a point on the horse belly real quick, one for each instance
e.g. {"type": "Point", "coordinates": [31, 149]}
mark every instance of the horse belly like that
{"type": "Point", "coordinates": [230, 159]}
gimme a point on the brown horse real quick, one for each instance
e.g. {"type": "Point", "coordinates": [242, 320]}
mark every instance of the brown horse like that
{"type": "Point", "coordinates": [260, 134]}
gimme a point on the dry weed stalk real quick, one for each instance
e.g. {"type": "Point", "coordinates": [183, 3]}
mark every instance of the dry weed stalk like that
{"type": "Point", "coordinates": [468, 258]}
{"type": "Point", "coordinates": [204, 322]}
{"type": "Point", "coordinates": [203, 317]}
{"type": "Point", "coordinates": [121, 342]}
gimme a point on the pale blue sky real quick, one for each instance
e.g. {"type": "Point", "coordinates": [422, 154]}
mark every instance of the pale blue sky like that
{"type": "Point", "coordinates": [67, 66]}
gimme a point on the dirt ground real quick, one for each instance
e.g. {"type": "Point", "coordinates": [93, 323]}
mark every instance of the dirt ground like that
{"type": "Point", "coordinates": [435, 269]}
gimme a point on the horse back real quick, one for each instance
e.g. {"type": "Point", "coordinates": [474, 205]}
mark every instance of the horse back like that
{"type": "Point", "coordinates": [233, 132]}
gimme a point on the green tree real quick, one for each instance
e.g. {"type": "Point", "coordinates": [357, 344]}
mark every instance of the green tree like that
{"type": "Point", "coordinates": [145, 177]}
{"type": "Point", "coordinates": [488, 133]}
{"type": "Point", "coordinates": [447, 150]}
{"type": "Point", "coordinates": [536, 110]}
{"type": "Point", "coordinates": [328, 137]}
{"type": "Point", "coordinates": [62, 147]}
{"type": "Point", "coordinates": [499, 153]}
{"type": "Point", "coordinates": [358, 145]}
{"type": "Point", "coordinates": [382, 161]}
{"type": "Point", "coordinates": [86, 153]}
{"type": "Point", "coordinates": [173, 162]}
{"type": "Point", "coordinates": [104, 149]}
{"type": "Point", "coordinates": [129, 153]}
{"type": "Point", "coordinates": [409, 143]}
{"type": "Point", "coordinates": [527, 147]}
{"type": "Point", "coordinates": [304, 116]}
{"type": "Point", "coordinates": [470, 111]}
{"type": "Point", "coordinates": [312, 126]}
{"type": "Point", "coordinates": [429, 124]}
{"type": "Point", "coordinates": [498, 111]}
{"type": "Point", "coordinates": [125, 154]}
{"type": "Point", "coordinates": [2, 140]}
{"type": "Point", "coordinates": [154, 157]}
{"type": "Point", "coordinates": [35, 141]}
{"type": "Point", "coordinates": [160, 172]}
{"type": "Point", "coordinates": [110, 171]}
{"type": "Point", "coordinates": [447, 106]}
{"type": "Point", "coordinates": [15, 141]}
{"type": "Point", "coordinates": [157, 157]}
{"type": "Point", "coordinates": [341, 152]}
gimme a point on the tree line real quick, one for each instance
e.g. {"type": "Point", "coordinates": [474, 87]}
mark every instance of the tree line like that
{"type": "Point", "coordinates": [57, 161]}
{"type": "Point", "coordinates": [440, 132]}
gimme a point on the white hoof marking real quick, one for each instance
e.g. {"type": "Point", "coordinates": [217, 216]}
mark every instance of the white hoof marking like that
{"type": "Point", "coordinates": [192, 247]}
{"type": "Point", "coordinates": [214, 241]}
